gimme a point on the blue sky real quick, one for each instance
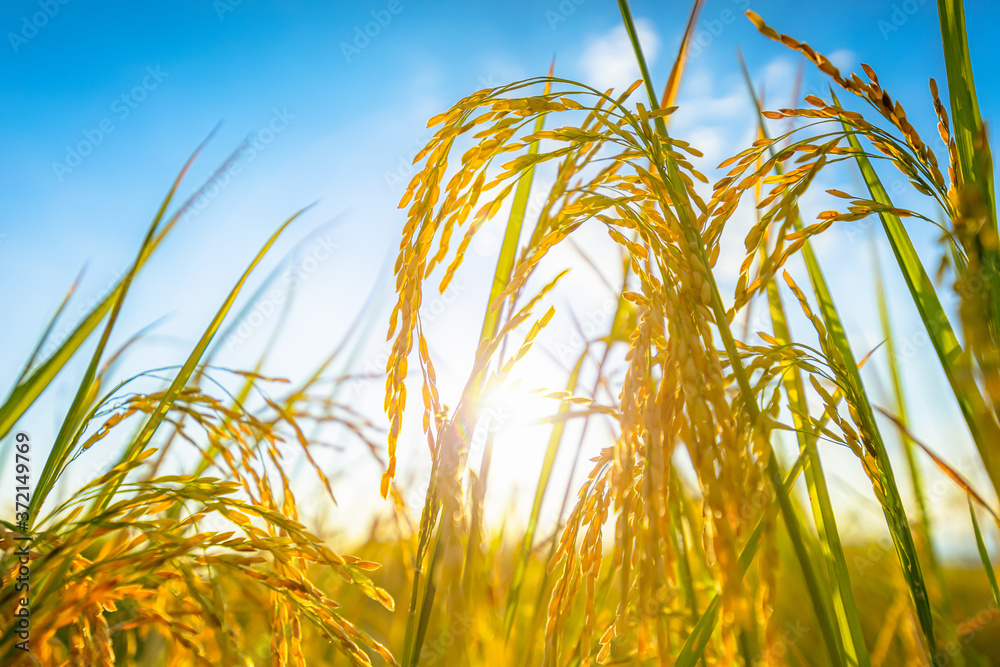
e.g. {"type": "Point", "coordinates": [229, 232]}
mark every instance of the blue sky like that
{"type": "Point", "coordinates": [336, 96]}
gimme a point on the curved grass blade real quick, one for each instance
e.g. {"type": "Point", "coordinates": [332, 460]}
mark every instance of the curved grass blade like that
{"type": "Point", "coordinates": [140, 441]}
{"type": "Point", "coordinates": [916, 478]}
{"type": "Point", "coordinates": [980, 420]}
{"type": "Point", "coordinates": [86, 392]}
{"type": "Point", "coordinates": [24, 394]}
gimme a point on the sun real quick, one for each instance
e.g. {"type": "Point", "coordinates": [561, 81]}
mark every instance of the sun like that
{"type": "Point", "coordinates": [520, 400]}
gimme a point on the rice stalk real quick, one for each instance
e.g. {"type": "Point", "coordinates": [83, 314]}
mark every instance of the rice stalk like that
{"type": "Point", "coordinates": [853, 640]}
{"type": "Point", "coordinates": [117, 569]}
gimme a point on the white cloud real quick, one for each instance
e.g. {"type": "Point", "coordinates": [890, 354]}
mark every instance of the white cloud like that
{"type": "Point", "coordinates": [843, 59]}
{"type": "Point", "coordinates": [778, 78]}
{"type": "Point", "coordinates": [609, 61]}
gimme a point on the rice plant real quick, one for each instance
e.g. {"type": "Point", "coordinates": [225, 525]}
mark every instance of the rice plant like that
{"type": "Point", "coordinates": [692, 383]}
{"type": "Point", "coordinates": [693, 539]}
{"type": "Point", "coordinates": [120, 571]}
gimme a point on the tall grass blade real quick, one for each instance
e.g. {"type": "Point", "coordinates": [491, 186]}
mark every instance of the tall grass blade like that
{"type": "Point", "coordinates": [984, 554]}
{"type": "Point", "coordinates": [512, 234]}
{"type": "Point", "coordinates": [975, 161]}
{"type": "Point", "coordinates": [899, 398]}
{"type": "Point", "coordinates": [979, 418]}
{"type": "Point", "coordinates": [149, 427]}
{"type": "Point", "coordinates": [892, 504]}
{"type": "Point", "coordinates": [86, 392]}
{"type": "Point", "coordinates": [24, 394]}
{"type": "Point", "coordinates": [669, 95]}
{"type": "Point", "coordinates": [681, 204]}
{"type": "Point", "coordinates": [673, 86]}
{"type": "Point", "coordinates": [845, 605]}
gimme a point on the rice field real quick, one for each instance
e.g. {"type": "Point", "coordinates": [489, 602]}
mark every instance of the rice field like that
{"type": "Point", "coordinates": [697, 423]}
